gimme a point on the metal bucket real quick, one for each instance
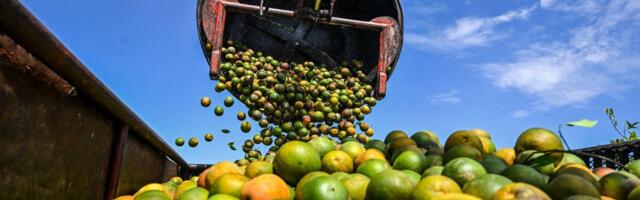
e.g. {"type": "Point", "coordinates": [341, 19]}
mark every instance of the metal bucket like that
{"type": "Point", "coordinates": [368, 31]}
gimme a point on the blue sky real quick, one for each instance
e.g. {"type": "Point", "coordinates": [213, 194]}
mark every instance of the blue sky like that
{"type": "Point", "coordinates": [503, 66]}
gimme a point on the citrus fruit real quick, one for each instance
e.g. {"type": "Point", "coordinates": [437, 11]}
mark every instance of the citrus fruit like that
{"type": "Point", "coordinates": [369, 154]}
{"type": "Point", "coordinates": [457, 196]}
{"type": "Point", "coordinates": [179, 141]}
{"type": "Point", "coordinates": [183, 187]}
{"type": "Point", "coordinates": [507, 154]}
{"type": "Point", "coordinates": [568, 159]}
{"type": "Point", "coordinates": [415, 177]}
{"type": "Point", "coordinates": [602, 171]}
{"type": "Point", "coordinates": [463, 170]}
{"type": "Point", "coordinates": [228, 101]}
{"type": "Point", "coordinates": [230, 184]}
{"type": "Point", "coordinates": [434, 160]}
{"type": "Point", "coordinates": [354, 149]}
{"type": "Point", "coordinates": [432, 187]}
{"type": "Point", "coordinates": [220, 169]}
{"type": "Point", "coordinates": [208, 137]}
{"type": "Point", "coordinates": [376, 144]}
{"type": "Point", "coordinates": [322, 145]}
{"type": "Point", "coordinates": [222, 197]}
{"type": "Point", "coordinates": [339, 175]}
{"type": "Point", "coordinates": [462, 150]}
{"type": "Point", "coordinates": [580, 171]}
{"type": "Point", "coordinates": [493, 164]}
{"type": "Point", "coordinates": [634, 194]}
{"type": "Point", "coordinates": [194, 194]}
{"type": "Point", "coordinates": [390, 184]}
{"type": "Point", "coordinates": [618, 184]}
{"type": "Point", "coordinates": [582, 197]}
{"type": "Point", "coordinates": [125, 197]}
{"type": "Point", "coordinates": [393, 135]}
{"type": "Point", "coordinates": [423, 138]}
{"type": "Point", "coordinates": [324, 187]}
{"type": "Point", "coordinates": [539, 139]}
{"type": "Point", "coordinates": [258, 167]}
{"type": "Point", "coordinates": [356, 185]}
{"type": "Point", "coordinates": [205, 101]}
{"type": "Point", "coordinates": [398, 143]}
{"type": "Point", "coordinates": [403, 149]}
{"type": "Point", "coordinates": [152, 195]}
{"type": "Point", "coordinates": [202, 177]}
{"type": "Point", "coordinates": [294, 160]}
{"type": "Point", "coordinates": [517, 191]}
{"type": "Point", "coordinates": [193, 142]}
{"type": "Point", "coordinates": [525, 174]}
{"type": "Point", "coordinates": [566, 185]}
{"type": "Point", "coordinates": [372, 167]}
{"type": "Point", "coordinates": [634, 167]}
{"type": "Point", "coordinates": [412, 161]}
{"type": "Point", "coordinates": [307, 178]}
{"type": "Point", "coordinates": [337, 161]}
{"type": "Point", "coordinates": [218, 110]}
{"type": "Point", "coordinates": [488, 147]}
{"type": "Point", "coordinates": [176, 179]}
{"type": "Point", "coordinates": [485, 186]}
{"type": "Point", "coordinates": [266, 187]}
{"type": "Point", "coordinates": [435, 170]}
{"type": "Point", "coordinates": [464, 137]}
{"type": "Point", "coordinates": [150, 187]}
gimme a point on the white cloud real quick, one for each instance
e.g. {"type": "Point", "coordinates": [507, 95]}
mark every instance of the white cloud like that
{"type": "Point", "coordinates": [467, 32]}
{"type": "Point", "coordinates": [575, 71]}
{"type": "Point", "coordinates": [520, 114]}
{"type": "Point", "coordinates": [578, 6]}
{"type": "Point", "coordinates": [450, 97]}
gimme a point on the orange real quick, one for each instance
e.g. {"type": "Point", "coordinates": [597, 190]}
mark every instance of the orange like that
{"type": "Point", "coordinates": [266, 187]}
{"type": "Point", "coordinates": [230, 184]}
{"type": "Point", "coordinates": [337, 161]}
{"type": "Point", "coordinates": [507, 154]}
{"type": "Point", "coordinates": [539, 139]}
{"type": "Point", "coordinates": [369, 154]}
{"type": "Point", "coordinates": [220, 169]}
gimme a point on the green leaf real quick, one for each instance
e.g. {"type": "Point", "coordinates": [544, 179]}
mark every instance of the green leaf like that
{"type": "Point", "coordinates": [225, 131]}
{"type": "Point", "coordinates": [583, 123]}
{"type": "Point", "coordinates": [230, 144]}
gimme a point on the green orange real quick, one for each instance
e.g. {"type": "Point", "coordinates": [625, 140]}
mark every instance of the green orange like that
{"type": "Point", "coordinates": [463, 170]}
{"type": "Point", "coordinates": [230, 184]}
{"type": "Point", "coordinates": [324, 187]}
{"type": "Point", "coordinates": [372, 167]}
{"type": "Point", "coordinates": [356, 184]}
{"type": "Point", "coordinates": [295, 159]}
{"type": "Point", "coordinates": [486, 185]}
{"type": "Point", "coordinates": [258, 167]}
{"type": "Point", "coordinates": [390, 184]}
{"type": "Point", "coordinates": [337, 161]}
{"type": "Point", "coordinates": [432, 187]}
{"type": "Point", "coordinates": [539, 139]}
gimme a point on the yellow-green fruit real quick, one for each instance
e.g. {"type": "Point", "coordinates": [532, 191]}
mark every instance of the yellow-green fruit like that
{"type": "Point", "coordinates": [152, 195]}
{"type": "Point", "coordinates": [337, 161]}
{"type": "Point", "coordinates": [356, 184]}
{"type": "Point", "coordinates": [432, 187]}
{"type": "Point", "coordinates": [184, 186]}
{"type": "Point", "coordinates": [257, 168]}
{"type": "Point", "coordinates": [294, 160]}
{"type": "Point", "coordinates": [517, 191]}
{"type": "Point", "coordinates": [194, 194]}
{"type": "Point", "coordinates": [230, 184]}
{"type": "Point", "coordinates": [539, 139]}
